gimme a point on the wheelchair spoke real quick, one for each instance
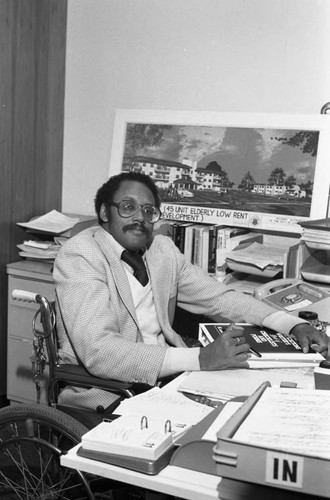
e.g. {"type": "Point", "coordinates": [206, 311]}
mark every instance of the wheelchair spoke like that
{"type": "Point", "coordinates": [31, 470]}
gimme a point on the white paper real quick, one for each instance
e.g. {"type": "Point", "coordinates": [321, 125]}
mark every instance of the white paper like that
{"type": "Point", "coordinates": [228, 410]}
{"type": "Point", "coordinates": [226, 384]}
{"type": "Point", "coordinates": [157, 403]}
{"type": "Point", "coordinates": [259, 255]}
{"type": "Point", "coordinates": [290, 420]}
{"type": "Point", "coordinates": [52, 222]}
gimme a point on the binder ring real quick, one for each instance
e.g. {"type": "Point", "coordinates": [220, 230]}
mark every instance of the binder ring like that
{"type": "Point", "coordinates": [168, 426]}
{"type": "Point", "coordinates": [144, 422]}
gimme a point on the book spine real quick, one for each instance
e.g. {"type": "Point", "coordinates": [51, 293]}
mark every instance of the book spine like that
{"type": "Point", "coordinates": [204, 257]}
{"type": "Point", "coordinates": [181, 237]}
{"type": "Point", "coordinates": [220, 253]}
{"type": "Point", "coordinates": [188, 243]}
{"type": "Point", "coordinates": [212, 250]}
{"type": "Point", "coordinates": [174, 227]}
{"type": "Point", "coordinates": [196, 254]}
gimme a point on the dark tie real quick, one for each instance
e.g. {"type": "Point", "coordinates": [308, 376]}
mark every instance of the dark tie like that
{"type": "Point", "coordinates": [135, 260]}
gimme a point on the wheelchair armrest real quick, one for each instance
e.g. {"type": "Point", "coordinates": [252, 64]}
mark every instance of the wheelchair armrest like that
{"type": "Point", "coordinates": [77, 375]}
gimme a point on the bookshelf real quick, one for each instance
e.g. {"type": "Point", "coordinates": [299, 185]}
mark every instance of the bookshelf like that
{"type": "Point", "coordinates": [210, 246]}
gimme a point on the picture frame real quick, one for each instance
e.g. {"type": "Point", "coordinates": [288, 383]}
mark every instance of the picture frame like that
{"type": "Point", "coordinates": [256, 170]}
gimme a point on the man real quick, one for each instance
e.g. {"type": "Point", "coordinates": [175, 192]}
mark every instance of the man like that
{"type": "Point", "coordinates": [121, 329]}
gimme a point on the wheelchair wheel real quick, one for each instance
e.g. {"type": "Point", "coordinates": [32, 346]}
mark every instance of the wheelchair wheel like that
{"type": "Point", "coordinates": [32, 440]}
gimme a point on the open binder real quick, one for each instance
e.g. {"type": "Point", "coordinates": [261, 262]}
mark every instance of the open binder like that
{"type": "Point", "coordinates": [255, 462]}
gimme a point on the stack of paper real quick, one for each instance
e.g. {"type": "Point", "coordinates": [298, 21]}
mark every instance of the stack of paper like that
{"type": "Point", "coordinates": [167, 405]}
{"type": "Point", "coordinates": [49, 231]}
{"type": "Point", "coordinates": [289, 420]}
{"type": "Point", "coordinates": [131, 436]}
{"type": "Point", "coordinates": [39, 250]}
{"type": "Point", "coordinates": [53, 223]}
{"type": "Point", "coordinates": [257, 258]}
{"type": "Point", "coordinates": [149, 424]}
{"type": "Point", "coordinates": [316, 238]}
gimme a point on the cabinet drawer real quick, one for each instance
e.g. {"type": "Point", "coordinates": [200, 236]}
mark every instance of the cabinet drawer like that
{"type": "Point", "coordinates": [42, 287]}
{"type": "Point", "coordinates": [20, 321]}
{"type": "Point", "coordinates": [20, 385]}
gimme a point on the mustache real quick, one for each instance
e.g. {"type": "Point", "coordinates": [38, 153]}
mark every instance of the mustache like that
{"type": "Point", "coordinates": [136, 225]}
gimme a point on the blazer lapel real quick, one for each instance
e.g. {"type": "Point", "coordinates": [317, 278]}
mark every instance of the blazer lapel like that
{"type": "Point", "coordinates": [118, 273]}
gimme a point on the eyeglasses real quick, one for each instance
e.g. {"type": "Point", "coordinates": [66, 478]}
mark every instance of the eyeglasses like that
{"type": "Point", "coordinates": [127, 208]}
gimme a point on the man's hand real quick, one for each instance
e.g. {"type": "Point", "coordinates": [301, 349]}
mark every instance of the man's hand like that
{"type": "Point", "coordinates": [307, 336]}
{"type": "Point", "coordinates": [229, 350]}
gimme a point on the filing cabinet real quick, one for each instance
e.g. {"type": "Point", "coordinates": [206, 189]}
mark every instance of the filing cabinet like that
{"type": "Point", "coordinates": [32, 276]}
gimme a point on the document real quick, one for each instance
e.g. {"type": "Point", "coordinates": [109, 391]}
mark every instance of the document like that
{"type": "Point", "coordinates": [171, 405]}
{"type": "Point", "coordinates": [258, 255]}
{"type": "Point", "coordinates": [37, 252]}
{"type": "Point", "coordinates": [226, 384]}
{"type": "Point", "coordinates": [290, 420]}
{"type": "Point", "coordinates": [53, 222]}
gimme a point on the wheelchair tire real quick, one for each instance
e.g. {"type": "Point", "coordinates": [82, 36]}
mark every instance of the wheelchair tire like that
{"type": "Point", "coordinates": [32, 440]}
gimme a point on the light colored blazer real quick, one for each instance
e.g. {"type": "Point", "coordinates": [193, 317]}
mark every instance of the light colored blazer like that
{"type": "Point", "coordinates": [96, 318]}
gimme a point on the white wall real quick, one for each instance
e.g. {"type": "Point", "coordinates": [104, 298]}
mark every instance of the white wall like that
{"type": "Point", "coordinates": [221, 55]}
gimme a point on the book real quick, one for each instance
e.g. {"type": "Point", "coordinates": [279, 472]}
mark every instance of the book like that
{"type": "Point", "coordinates": [189, 244]}
{"type": "Point", "coordinates": [173, 231]}
{"type": "Point", "coordinates": [276, 349]}
{"type": "Point", "coordinates": [181, 235]}
{"type": "Point", "coordinates": [204, 248]}
{"type": "Point", "coordinates": [199, 241]}
{"type": "Point", "coordinates": [212, 249]}
{"type": "Point", "coordinates": [220, 252]}
{"type": "Point", "coordinates": [131, 435]}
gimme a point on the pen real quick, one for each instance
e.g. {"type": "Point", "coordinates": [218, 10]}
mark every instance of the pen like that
{"type": "Point", "coordinates": [256, 353]}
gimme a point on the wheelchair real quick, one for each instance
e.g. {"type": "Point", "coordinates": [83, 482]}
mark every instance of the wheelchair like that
{"type": "Point", "coordinates": [33, 437]}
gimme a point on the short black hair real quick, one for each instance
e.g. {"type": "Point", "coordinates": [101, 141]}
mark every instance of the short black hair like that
{"type": "Point", "coordinates": [107, 191]}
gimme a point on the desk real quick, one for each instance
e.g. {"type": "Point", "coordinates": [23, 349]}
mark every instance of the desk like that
{"type": "Point", "coordinates": [179, 481]}
{"type": "Point", "coordinates": [175, 481]}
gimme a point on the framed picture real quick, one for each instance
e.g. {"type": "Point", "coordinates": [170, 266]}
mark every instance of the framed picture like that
{"type": "Point", "coordinates": [265, 171]}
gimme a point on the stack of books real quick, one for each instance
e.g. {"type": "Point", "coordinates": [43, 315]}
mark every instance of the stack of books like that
{"type": "Point", "coordinates": [208, 245]}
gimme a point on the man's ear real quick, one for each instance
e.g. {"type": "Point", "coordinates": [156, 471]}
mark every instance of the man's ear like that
{"type": "Point", "coordinates": [104, 214]}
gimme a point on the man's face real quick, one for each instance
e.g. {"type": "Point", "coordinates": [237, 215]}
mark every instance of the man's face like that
{"type": "Point", "coordinates": [132, 232]}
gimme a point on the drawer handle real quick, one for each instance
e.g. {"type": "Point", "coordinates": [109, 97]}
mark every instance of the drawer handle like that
{"type": "Point", "coordinates": [24, 295]}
